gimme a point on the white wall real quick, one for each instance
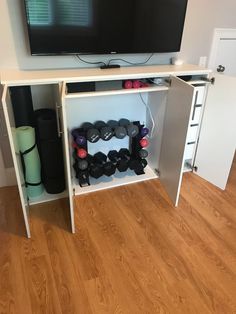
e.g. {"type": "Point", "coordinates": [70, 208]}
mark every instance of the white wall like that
{"type": "Point", "coordinates": [202, 17]}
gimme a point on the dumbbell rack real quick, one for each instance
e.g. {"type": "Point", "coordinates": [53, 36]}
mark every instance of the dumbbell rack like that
{"type": "Point", "coordinates": [118, 178]}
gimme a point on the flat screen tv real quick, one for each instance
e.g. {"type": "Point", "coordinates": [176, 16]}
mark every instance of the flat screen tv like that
{"type": "Point", "coordinates": [104, 26]}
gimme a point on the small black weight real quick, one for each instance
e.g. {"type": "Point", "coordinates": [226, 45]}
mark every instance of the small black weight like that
{"type": "Point", "coordinates": [82, 164]}
{"type": "Point", "coordinates": [113, 124]}
{"type": "Point", "coordinates": [143, 153]}
{"type": "Point", "coordinates": [120, 132]}
{"type": "Point", "coordinates": [106, 133]}
{"type": "Point", "coordinates": [132, 130]}
{"type": "Point", "coordinates": [96, 170]}
{"type": "Point", "coordinates": [99, 124]}
{"type": "Point", "coordinates": [121, 163]}
{"type": "Point", "coordinates": [124, 122]}
{"type": "Point", "coordinates": [108, 167]}
{"type": "Point", "coordinates": [92, 133]}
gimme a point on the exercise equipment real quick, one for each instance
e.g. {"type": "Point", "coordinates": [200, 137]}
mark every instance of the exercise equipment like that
{"type": "Point", "coordinates": [108, 167]}
{"type": "Point", "coordinates": [22, 105]}
{"type": "Point", "coordinates": [96, 169]}
{"type": "Point", "coordinates": [121, 163]}
{"type": "Point", "coordinates": [144, 132]}
{"type": "Point", "coordinates": [30, 160]}
{"type": "Point", "coordinates": [132, 129]}
{"type": "Point", "coordinates": [143, 142]}
{"type": "Point", "coordinates": [106, 132]}
{"type": "Point", "coordinates": [50, 151]}
{"type": "Point", "coordinates": [78, 137]}
{"type": "Point", "coordinates": [119, 131]}
{"type": "Point", "coordinates": [82, 153]}
{"type": "Point", "coordinates": [92, 134]}
{"type": "Point", "coordinates": [143, 153]}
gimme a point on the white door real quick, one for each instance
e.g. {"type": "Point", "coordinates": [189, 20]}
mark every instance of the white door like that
{"type": "Point", "coordinates": [223, 51]}
{"type": "Point", "coordinates": [10, 123]}
{"type": "Point", "coordinates": [180, 101]}
{"type": "Point", "coordinates": [217, 140]}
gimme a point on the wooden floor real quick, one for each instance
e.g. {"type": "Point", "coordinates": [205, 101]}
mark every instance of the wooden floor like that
{"type": "Point", "coordinates": [133, 252]}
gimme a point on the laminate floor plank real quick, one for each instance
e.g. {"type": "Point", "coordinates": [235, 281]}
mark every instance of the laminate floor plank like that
{"type": "Point", "coordinates": [133, 252]}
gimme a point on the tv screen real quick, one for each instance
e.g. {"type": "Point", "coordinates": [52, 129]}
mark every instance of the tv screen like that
{"type": "Point", "coordinates": [104, 26]}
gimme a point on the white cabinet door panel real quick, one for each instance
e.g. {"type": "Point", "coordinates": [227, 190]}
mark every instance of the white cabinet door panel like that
{"type": "Point", "coordinates": [61, 109]}
{"type": "Point", "coordinates": [217, 140]}
{"type": "Point", "coordinates": [176, 122]}
{"type": "Point", "coordinates": [10, 124]}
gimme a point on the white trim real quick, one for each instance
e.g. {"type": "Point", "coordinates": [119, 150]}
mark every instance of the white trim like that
{"type": "Point", "coordinates": [219, 33]}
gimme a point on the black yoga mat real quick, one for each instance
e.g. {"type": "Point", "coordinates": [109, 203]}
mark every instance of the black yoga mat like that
{"type": "Point", "coordinates": [50, 151]}
{"type": "Point", "coordinates": [22, 106]}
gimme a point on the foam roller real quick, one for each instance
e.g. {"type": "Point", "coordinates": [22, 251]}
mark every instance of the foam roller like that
{"type": "Point", "coordinates": [31, 161]}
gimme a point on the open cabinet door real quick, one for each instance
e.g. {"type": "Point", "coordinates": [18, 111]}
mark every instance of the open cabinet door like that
{"type": "Point", "coordinates": [10, 124]}
{"type": "Point", "coordinates": [217, 139]}
{"type": "Point", "coordinates": [177, 116]}
{"type": "Point", "coordinates": [63, 129]}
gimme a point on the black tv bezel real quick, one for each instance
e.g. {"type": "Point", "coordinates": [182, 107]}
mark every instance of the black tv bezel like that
{"type": "Point", "coordinates": [65, 53]}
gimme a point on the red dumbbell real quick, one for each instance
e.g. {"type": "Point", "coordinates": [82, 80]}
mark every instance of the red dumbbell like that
{"type": "Point", "coordinates": [137, 84]}
{"type": "Point", "coordinates": [82, 153]}
{"type": "Point", "coordinates": [143, 142]}
{"type": "Point", "coordinates": [128, 84]}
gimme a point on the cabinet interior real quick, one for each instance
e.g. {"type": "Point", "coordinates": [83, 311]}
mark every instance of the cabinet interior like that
{"type": "Point", "coordinates": [114, 107]}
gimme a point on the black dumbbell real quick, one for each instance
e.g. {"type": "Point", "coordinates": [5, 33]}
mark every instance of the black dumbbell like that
{"type": "Point", "coordinates": [132, 129]}
{"type": "Point", "coordinates": [95, 169]}
{"type": "Point", "coordinates": [92, 134]}
{"type": "Point", "coordinates": [143, 153]}
{"type": "Point", "coordinates": [106, 131]}
{"type": "Point", "coordinates": [119, 131]}
{"type": "Point", "coordinates": [133, 162]}
{"type": "Point", "coordinates": [124, 153]}
{"type": "Point", "coordinates": [82, 164]}
{"type": "Point", "coordinates": [121, 164]}
{"type": "Point", "coordinates": [108, 167]}
{"type": "Point", "coordinates": [83, 178]}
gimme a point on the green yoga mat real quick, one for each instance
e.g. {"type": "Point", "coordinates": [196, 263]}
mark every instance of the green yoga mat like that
{"type": "Point", "coordinates": [26, 140]}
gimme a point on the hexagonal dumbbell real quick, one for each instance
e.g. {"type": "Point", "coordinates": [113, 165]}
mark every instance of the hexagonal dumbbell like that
{"type": "Point", "coordinates": [121, 163]}
{"type": "Point", "coordinates": [108, 167]}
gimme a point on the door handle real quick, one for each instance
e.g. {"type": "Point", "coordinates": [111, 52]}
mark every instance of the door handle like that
{"type": "Point", "coordinates": [195, 105]}
{"type": "Point", "coordinates": [220, 68]}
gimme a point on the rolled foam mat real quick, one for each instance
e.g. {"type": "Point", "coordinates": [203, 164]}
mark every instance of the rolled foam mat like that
{"type": "Point", "coordinates": [31, 161]}
{"type": "Point", "coordinates": [50, 150]}
{"type": "Point", "coordinates": [22, 105]}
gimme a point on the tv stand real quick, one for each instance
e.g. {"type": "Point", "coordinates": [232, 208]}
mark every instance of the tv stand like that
{"type": "Point", "coordinates": [176, 108]}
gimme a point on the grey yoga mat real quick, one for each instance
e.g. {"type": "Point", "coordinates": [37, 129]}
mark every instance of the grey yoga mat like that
{"type": "Point", "coordinates": [31, 161]}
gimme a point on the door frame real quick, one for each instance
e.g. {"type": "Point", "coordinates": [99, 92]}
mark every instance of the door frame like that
{"type": "Point", "coordinates": [219, 33]}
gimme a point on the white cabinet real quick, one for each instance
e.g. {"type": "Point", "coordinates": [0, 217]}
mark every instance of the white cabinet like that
{"type": "Point", "coordinates": [176, 112]}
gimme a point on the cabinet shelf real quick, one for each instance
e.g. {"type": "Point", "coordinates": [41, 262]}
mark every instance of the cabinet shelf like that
{"type": "Point", "coordinates": [118, 179]}
{"type": "Point", "coordinates": [45, 197]}
{"type": "Point", "coordinates": [151, 88]}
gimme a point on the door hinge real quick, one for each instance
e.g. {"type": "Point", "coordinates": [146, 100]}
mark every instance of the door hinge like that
{"type": "Point", "coordinates": [209, 80]}
{"type": "Point", "coordinates": [74, 191]}
{"type": "Point", "coordinates": [157, 171]}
